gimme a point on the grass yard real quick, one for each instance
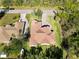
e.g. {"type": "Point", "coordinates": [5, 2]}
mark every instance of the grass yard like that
{"type": "Point", "coordinates": [8, 19]}
{"type": "Point", "coordinates": [56, 27]}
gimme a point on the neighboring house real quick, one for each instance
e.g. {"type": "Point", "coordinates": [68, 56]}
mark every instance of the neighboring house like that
{"type": "Point", "coordinates": [7, 31]}
{"type": "Point", "coordinates": [41, 34]}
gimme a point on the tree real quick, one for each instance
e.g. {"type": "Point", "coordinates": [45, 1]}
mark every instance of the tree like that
{"type": "Point", "coordinates": [14, 47]}
{"type": "Point", "coordinates": [7, 3]}
{"type": "Point", "coordinates": [19, 2]}
{"type": "Point", "coordinates": [50, 53]}
{"type": "Point", "coordinates": [54, 52]}
{"type": "Point", "coordinates": [69, 17]}
{"type": "Point", "coordinates": [68, 14]}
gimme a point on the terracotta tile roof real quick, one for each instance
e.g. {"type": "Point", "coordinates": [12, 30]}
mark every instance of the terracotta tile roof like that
{"type": "Point", "coordinates": [41, 34]}
{"type": "Point", "coordinates": [7, 31]}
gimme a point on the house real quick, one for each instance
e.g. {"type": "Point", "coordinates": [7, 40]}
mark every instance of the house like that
{"type": "Point", "coordinates": [41, 34]}
{"type": "Point", "coordinates": [7, 31]}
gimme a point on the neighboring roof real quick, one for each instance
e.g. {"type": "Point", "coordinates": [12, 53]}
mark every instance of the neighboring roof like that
{"type": "Point", "coordinates": [41, 35]}
{"type": "Point", "coordinates": [7, 31]}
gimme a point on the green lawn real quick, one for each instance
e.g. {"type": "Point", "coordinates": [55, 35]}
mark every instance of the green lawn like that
{"type": "Point", "coordinates": [57, 29]}
{"type": "Point", "coordinates": [8, 19]}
